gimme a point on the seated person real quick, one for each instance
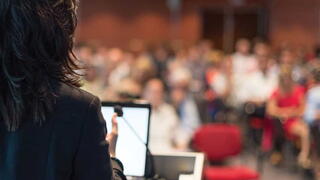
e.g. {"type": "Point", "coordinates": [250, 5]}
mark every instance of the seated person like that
{"type": "Point", "coordinates": [164, 120]}
{"type": "Point", "coordinates": [312, 114]}
{"type": "Point", "coordinates": [185, 104]}
{"type": "Point", "coordinates": [219, 82]}
{"type": "Point", "coordinates": [287, 105]}
{"type": "Point", "coordinates": [259, 86]}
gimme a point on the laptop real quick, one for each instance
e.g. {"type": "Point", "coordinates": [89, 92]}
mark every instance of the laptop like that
{"type": "Point", "coordinates": [172, 166]}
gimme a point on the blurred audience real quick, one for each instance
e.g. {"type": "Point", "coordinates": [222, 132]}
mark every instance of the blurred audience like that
{"type": "Point", "coordinates": [190, 85]}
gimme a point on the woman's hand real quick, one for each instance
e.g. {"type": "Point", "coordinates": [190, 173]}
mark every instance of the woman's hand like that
{"type": "Point", "coordinates": [113, 136]}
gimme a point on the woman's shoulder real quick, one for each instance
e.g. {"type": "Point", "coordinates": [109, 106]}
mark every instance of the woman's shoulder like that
{"type": "Point", "coordinates": [74, 96]}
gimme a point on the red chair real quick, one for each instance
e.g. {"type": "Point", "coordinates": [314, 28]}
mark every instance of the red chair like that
{"type": "Point", "coordinates": [218, 142]}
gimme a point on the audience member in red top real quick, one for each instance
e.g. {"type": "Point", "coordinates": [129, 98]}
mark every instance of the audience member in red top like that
{"type": "Point", "coordinates": [287, 105]}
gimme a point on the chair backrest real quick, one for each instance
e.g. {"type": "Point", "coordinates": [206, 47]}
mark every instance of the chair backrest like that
{"type": "Point", "coordinates": [218, 141]}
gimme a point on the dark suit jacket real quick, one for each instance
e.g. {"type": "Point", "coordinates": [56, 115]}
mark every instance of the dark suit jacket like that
{"type": "Point", "coordinates": [70, 145]}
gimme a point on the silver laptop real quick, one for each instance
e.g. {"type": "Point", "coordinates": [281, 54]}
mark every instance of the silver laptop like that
{"type": "Point", "coordinates": [171, 166]}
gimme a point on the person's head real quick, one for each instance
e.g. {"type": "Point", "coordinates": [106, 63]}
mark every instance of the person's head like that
{"type": "Point", "coordinates": [243, 46]}
{"type": "Point", "coordinates": [161, 54]}
{"type": "Point", "coordinates": [179, 77]}
{"type": "Point", "coordinates": [128, 89]}
{"type": "Point", "coordinates": [286, 82]}
{"type": "Point", "coordinates": [262, 55]}
{"type": "Point", "coordinates": [142, 70]}
{"type": "Point", "coordinates": [115, 55]}
{"type": "Point", "coordinates": [154, 92]}
{"type": "Point", "coordinates": [261, 49]}
{"type": "Point", "coordinates": [179, 82]}
{"type": "Point", "coordinates": [36, 42]}
{"type": "Point", "coordinates": [215, 59]}
{"type": "Point", "coordinates": [287, 56]}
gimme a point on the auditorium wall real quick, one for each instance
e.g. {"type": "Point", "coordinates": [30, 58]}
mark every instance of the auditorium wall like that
{"type": "Point", "coordinates": [116, 22]}
{"type": "Point", "coordinates": [295, 22]}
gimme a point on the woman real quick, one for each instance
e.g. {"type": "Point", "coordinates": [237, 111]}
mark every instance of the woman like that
{"type": "Point", "coordinates": [287, 105]}
{"type": "Point", "coordinates": [49, 129]}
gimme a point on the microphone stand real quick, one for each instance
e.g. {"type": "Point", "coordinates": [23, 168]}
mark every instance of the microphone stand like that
{"type": "Point", "coordinates": [150, 171]}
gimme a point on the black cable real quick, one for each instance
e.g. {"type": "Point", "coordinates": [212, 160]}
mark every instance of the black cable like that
{"type": "Point", "coordinates": [134, 132]}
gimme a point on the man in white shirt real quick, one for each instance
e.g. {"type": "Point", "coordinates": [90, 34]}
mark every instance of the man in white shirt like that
{"type": "Point", "coordinates": [259, 86]}
{"type": "Point", "coordinates": [243, 65]}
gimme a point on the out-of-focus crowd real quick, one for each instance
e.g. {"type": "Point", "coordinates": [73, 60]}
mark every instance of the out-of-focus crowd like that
{"type": "Point", "coordinates": [274, 92]}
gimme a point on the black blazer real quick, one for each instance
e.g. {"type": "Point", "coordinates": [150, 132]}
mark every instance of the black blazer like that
{"type": "Point", "coordinates": [70, 145]}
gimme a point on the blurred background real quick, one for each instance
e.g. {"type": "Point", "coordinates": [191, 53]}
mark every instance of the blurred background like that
{"type": "Point", "coordinates": [216, 67]}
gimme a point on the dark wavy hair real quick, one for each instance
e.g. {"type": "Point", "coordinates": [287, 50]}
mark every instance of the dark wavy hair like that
{"type": "Point", "coordinates": [36, 42]}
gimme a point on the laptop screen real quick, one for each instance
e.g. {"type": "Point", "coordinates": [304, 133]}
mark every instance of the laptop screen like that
{"type": "Point", "coordinates": [130, 150]}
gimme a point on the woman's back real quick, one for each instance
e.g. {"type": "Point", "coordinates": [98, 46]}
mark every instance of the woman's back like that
{"type": "Point", "coordinates": [69, 145]}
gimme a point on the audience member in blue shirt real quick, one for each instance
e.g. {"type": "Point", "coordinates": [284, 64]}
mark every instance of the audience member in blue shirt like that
{"type": "Point", "coordinates": [312, 109]}
{"type": "Point", "coordinates": [312, 116]}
